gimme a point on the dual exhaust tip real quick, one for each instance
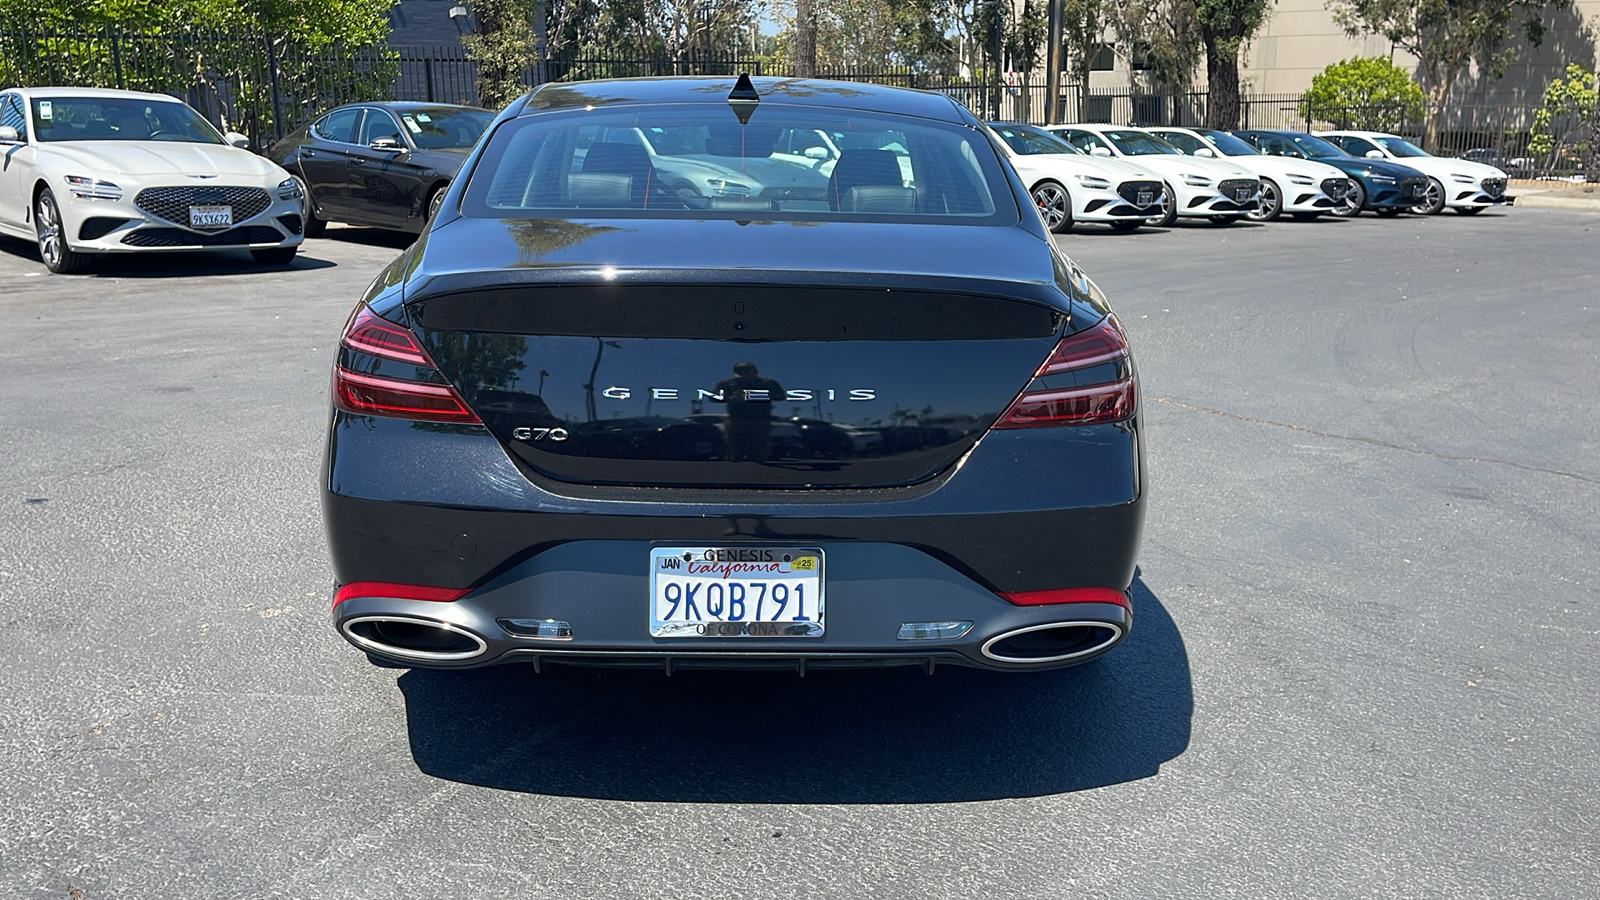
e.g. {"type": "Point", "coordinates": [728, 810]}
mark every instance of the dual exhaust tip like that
{"type": "Point", "coordinates": [428, 640]}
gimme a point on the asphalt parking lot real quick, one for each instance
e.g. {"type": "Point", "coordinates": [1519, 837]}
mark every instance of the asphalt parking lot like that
{"type": "Point", "coordinates": [1365, 660]}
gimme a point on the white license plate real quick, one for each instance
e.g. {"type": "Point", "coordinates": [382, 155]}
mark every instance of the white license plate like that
{"type": "Point", "coordinates": [736, 591]}
{"type": "Point", "coordinates": [1146, 198]}
{"type": "Point", "coordinates": [210, 216]}
{"type": "Point", "coordinates": [1242, 195]}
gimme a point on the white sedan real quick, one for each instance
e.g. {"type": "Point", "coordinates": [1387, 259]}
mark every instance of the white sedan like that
{"type": "Point", "coordinates": [1302, 188]}
{"type": "Point", "coordinates": [90, 171]}
{"type": "Point", "coordinates": [1462, 185]}
{"type": "Point", "coordinates": [1070, 186]}
{"type": "Point", "coordinates": [1212, 189]}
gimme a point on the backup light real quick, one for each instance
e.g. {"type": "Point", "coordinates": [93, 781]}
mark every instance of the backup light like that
{"type": "Point", "coordinates": [538, 629]}
{"type": "Point", "coordinates": [932, 631]}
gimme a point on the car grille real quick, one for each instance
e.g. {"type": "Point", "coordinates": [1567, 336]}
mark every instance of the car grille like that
{"type": "Point", "coordinates": [172, 203]}
{"type": "Point", "coordinates": [1239, 189]}
{"type": "Point", "coordinates": [1494, 187]}
{"type": "Point", "coordinates": [176, 237]}
{"type": "Point", "coordinates": [1336, 187]}
{"type": "Point", "coordinates": [1413, 187]}
{"type": "Point", "coordinates": [1130, 191]}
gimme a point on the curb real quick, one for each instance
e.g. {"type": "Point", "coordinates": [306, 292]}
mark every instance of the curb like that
{"type": "Point", "coordinates": [1539, 195]}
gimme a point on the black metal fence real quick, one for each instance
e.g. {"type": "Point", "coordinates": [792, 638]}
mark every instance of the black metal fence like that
{"type": "Point", "coordinates": [267, 86]}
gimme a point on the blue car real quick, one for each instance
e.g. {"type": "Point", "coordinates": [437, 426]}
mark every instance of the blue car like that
{"type": "Point", "coordinates": [1386, 188]}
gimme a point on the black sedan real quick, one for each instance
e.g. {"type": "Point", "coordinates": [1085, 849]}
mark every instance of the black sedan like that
{"type": "Point", "coordinates": [590, 418]}
{"type": "Point", "coordinates": [379, 164]}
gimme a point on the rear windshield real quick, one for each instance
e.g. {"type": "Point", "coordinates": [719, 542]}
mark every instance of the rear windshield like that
{"type": "Point", "coordinates": [698, 161]}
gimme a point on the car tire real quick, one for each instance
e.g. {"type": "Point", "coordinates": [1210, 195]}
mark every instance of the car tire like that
{"type": "Point", "coordinates": [1169, 211]}
{"type": "Point", "coordinates": [310, 226]}
{"type": "Point", "coordinates": [1432, 201]}
{"type": "Point", "coordinates": [58, 256]}
{"type": "Point", "coordinates": [1389, 212]}
{"type": "Point", "coordinates": [275, 256]}
{"type": "Point", "coordinates": [1270, 206]}
{"type": "Point", "coordinates": [1126, 225]}
{"type": "Point", "coordinates": [1469, 210]}
{"type": "Point", "coordinates": [1353, 202]}
{"type": "Point", "coordinates": [435, 201]}
{"type": "Point", "coordinates": [1054, 204]}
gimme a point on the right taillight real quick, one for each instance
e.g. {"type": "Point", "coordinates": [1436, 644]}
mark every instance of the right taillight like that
{"type": "Point", "coordinates": [398, 398]}
{"type": "Point", "coordinates": [1087, 380]}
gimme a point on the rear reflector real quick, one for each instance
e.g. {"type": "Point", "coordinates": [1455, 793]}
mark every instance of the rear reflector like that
{"type": "Point", "coordinates": [396, 591]}
{"type": "Point", "coordinates": [1108, 401]}
{"type": "Point", "coordinates": [1067, 595]}
{"type": "Point", "coordinates": [372, 395]}
{"type": "Point", "coordinates": [368, 332]}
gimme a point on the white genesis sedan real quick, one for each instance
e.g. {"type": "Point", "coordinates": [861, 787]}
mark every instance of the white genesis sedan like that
{"type": "Point", "coordinates": [1461, 184]}
{"type": "Point", "coordinates": [1302, 188]}
{"type": "Point", "coordinates": [1212, 189]}
{"type": "Point", "coordinates": [1069, 186]}
{"type": "Point", "coordinates": [90, 171]}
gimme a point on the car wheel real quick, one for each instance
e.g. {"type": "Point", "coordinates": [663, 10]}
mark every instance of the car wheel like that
{"type": "Point", "coordinates": [58, 257]}
{"type": "Point", "coordinates": [311, 226]}
{"type": "Point", "coordinates": [1469, 210]}
{"type": "Point", "coordinates": [1270, 205]}
{"type": "Point", "coordinates": [1389, 212]}
{"type": "Point", "coordinates": [1127, 225]}
{"type": "Point", "coordinates": [1354, 199]}
{"type": "Point", "coordinates": [1055, 206]}
{"type": "Point", "coordinates": [1432, 199]}
{"type": "Point", "coordinates": [435, 201]}
{"type": "Point", "coordinates": [1169, 209]}
{"type": "Point", "coordinates": [275, 256]}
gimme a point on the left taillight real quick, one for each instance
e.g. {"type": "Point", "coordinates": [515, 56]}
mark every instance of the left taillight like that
{"type": "Point", "coordinates": [1087, 380]}
{"type": "Point", "coordinates": [398, 398]}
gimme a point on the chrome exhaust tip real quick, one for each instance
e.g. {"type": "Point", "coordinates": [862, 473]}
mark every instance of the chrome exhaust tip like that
{"type": "Point", "coordinates": [1052, 643]}
{"type": "Point", "coordinates": [408, 637]}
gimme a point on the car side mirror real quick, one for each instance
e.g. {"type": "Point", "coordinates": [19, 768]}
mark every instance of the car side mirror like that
{"type": "Point", "coordinates": [386, 145]}
{"type": "Point", "coordinates": [1206, 152]}
{"type": "Point", "coordinates": [1100, 151]}
{"type": "Point", "coordinates": [1374, 154]}
{"type": "Point", "coordinates": [9, 134]}
{"type": "Point", "coordinates": [236, 139]}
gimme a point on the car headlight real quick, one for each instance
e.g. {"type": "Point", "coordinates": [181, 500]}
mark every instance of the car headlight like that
{"type": "Point", "coordinates": [1090, 181]}
{"type": "Point", "coordinates": [85, 188]}
{"type": "Point", "coordinates": [1380, 179]}
{"type": "Point", "coordinates": [288, 189]}
{"type": "Point", "coordinates": [724, 186]}
{"type": "Point", "coordinates": [1295, 178]}
{"type": "Point", "coordinates": [1464, 179]}
{"type": "Point", "coordinates": [1196, 180]}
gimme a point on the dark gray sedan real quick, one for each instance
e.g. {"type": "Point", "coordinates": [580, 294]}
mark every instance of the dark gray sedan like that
{"type": "Point", "coordinates": [379, 164]}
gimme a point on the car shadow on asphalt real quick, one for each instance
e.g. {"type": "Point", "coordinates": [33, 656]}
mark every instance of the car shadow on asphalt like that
{"type": "Point", "coordinates": [371, 237]}
{"type": "Point", "coordinates": [861, 736]}
{"type": "Point", "coordinates": [169, 264]}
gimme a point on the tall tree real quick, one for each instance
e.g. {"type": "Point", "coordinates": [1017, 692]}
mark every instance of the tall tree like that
{"type": "Point", "coordinates": [1162, 36]}
{"type": "Point", "coordinates": [1448, 37]}
{"type": "Point", "coordinates": [1225, 25]}
{"type": "Point", "coordinates": [502, 45]}
{"type": "Point", "coordinates": [1083, 27]}
{"type": "Point", "coordinates": [805, 39]}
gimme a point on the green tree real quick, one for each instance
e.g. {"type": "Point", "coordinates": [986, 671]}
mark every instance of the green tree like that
{"type": "Point", "coordinates": [1163, 36]}
{"type": "Point", "coordinates": [1083, 27]}
{"type": "Point", "coordinates": [1225, 26]}
{"type": "Point", "coordinates": [1570, 110]}
{"type": "Point", "coordinates": [1367, 92]}
{"type": "Point", "coordinates": [502, 44]}
{"type": "Point", "coordinates": [1448, 37]}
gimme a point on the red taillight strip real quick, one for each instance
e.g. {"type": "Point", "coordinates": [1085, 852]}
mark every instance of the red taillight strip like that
{"type": "Point", "coordinates": [375, 396]}
{"type": "Point", "coordinates": [1099, 343]}
{"type": "Point", "coordinates": [1067, 595]}
{"type": "Point", "coordinates": [1092, 405]}
{"type": "Point", "coordinates": [396, 591]}
{"type": "Point", "coordinates": [370, 333]}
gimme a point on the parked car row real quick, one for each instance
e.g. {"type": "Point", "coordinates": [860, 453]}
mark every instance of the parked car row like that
{"type": "Point", "coordinates": [1127, 177]}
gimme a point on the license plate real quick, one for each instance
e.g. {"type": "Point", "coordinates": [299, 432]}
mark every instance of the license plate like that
{"type": "Point", "coordinates": [1242, 195]}
{"type": "Point", "coordinates": [210, 216]}
{"type": "Point", "coordinates": [1146, 198]}
{"type": "Point", "coordinates": [738, 591]}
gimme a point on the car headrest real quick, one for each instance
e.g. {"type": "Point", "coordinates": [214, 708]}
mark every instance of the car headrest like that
{"type": "Point", "coordinates": [879, 199]}
{"type": "Point", "coordinates": [627, 159]}
{"type": "Point", "coordinates": [860, 168]}
{"type": "Point", "coordinates": [600, 189]}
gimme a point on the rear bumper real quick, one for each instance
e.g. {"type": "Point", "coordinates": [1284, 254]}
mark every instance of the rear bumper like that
{"type": "Point", "coordinates": [445, 506]}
